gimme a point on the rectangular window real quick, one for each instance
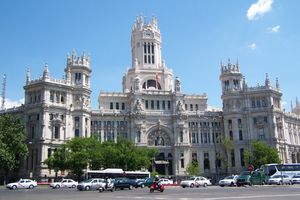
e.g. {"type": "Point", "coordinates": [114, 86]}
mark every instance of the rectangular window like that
{"type": "Point", "coordinates": [230, 124]}
{"type": "Point", "coordinates": [49, 152]}
{"type": "Point", "coordinates": [185, 106]}
{"type": "Point", "coordinates": [145, 48]}
{"type": "Point", "coordinates": [240, 123]}
{"type": "Point", "coordinates": [232, 158]}
{"type": "Point", "coordinates": [169, 105]}
{"type": "Point", "coordinates": [157, 104]}
{"type": "Point", "coordinates": [230, 135]}
{"type": "Point", "coordinates": [117, 106]}
{"type": "Point", "coordinates": [76, 132]}
{"type": "Point", "coordinates": [181, 136]}
{"type": "Point", "coordinates": [197, 107]}
{"type": "Point", "coordinates": [191, 107]}
{"type": "Point", "coordinates": [240, 135]}
{"type": "Point", "coordinates": [145, 59]}
{"type": "Point", "coordinates": [76, 122]}
{"type": "Point", "coordinates": [242, 157]}
{"type": "Point", "coordinates": [111, 105]}
{"type": "Point", "coordinates": [163, 105]}
{"type": "Point", "coordinates": [253, 103]}
{"type": "Point", "coordinates": [152, 59]}
{"type": "Point", "coordinates": [152, 104]}
{"type": "Point", "coordinates": [146, 104]}
{"type": "Point", "coordinates": [123, 106]}
{"type": "Point", "coordinates": [32, 132]}
{"type": "Point", "coordinates": [56, 132]}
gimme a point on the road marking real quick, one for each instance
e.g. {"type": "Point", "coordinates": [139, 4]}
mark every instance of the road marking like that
{"type": "Point", "coordinates": [252, 197]}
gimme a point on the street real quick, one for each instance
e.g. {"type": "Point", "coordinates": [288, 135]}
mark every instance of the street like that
{"type": "Point", "coordinates": [175, 193]}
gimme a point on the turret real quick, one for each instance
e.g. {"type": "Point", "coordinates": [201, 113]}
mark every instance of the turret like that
{"type": "Point", "coordinates": [78, 69]}
{"type": "Point", "coordinates": [231, 77]}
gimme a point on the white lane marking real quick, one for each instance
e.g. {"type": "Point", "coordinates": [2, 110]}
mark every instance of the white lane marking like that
{"type": "Point", "coordinates": [252, 197]}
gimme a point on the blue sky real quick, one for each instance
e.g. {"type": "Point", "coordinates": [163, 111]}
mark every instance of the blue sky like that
{"type": "Point", "coordinates": [264, 35]}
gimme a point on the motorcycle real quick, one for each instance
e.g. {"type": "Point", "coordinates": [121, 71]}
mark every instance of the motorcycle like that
{"type": "Point", "coordinates": [108, 187]}
{"type": "Point", "coordinates": [157, 187]}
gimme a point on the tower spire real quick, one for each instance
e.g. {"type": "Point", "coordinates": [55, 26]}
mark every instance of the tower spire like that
{"type": "Point", "coordinates": [3, 91]}
{"type": "Point", "coordinates": [267, 80]}
{"type": "Point", "coordinates": [28, 75]}
{"type": "Point", "coordinates": [46, 71]}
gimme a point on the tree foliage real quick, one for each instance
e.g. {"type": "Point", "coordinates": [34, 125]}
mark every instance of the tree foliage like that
{"type": "Point", "coordinates": [193, 169]}
{"type": "Point", "coordinates": [227, 145]}
{"type": "Point", "coordinates": [261, 153]}
{"type": "Point", "coordinates": [82, 153]}
{"type": "Point", "coordinates": [13, 147]}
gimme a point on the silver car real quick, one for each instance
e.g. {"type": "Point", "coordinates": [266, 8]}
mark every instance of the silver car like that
{"type": "Point", "coordinates": [279, 180]}
{"type": "Point", "coordinates": [89, 184]}
{"type": "Point", "coordinates": [228, 181]}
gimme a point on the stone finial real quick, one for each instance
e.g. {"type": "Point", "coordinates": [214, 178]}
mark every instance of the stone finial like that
{"type": "Point", "coordinates": [46, 71]}
{"type": "Point", "coordinates": [267, 80]}
{"type": "Point", "coordinates": [277, 84]}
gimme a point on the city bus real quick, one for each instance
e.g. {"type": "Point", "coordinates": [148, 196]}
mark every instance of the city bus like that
{"type": "Point", "coordinates": [116, 173]}
{"type": "Point", "coordinates": [280, 169]}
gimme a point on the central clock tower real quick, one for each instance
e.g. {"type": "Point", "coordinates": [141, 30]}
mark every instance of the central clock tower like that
{"type": "Point", "coordinates": [148, 71]}
{"type": "Point", "coordinates": [146, 44]}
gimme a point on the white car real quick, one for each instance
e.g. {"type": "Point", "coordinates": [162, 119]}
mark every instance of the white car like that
{"type": "Point", "coordinates": [195, 181]}
{"type": "Point", "coordinates": [22, 183]}
{"type": "Point", "coordinates": [164, 181]}
{"type": "Point", "coordinates": [228, 181]}
{"type": "Point", "coordinates": [69, 183]}
{"type": "Point", "coordinates": [279, 180]}
{"type": "Point", "coordinates": [296, 179]}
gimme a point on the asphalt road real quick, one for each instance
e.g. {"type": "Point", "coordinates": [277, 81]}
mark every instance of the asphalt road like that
{"type": "Point", "coordinates": [172, 193]}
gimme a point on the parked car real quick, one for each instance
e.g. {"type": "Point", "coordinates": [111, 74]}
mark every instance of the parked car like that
{"type": "Point", "coordinates": [165, 181]}
{"type": "Point", "coordinates": [94, 183]}
{"type": "Point", "coordinates": [69, 183]}
{"type": "Point", "coordinates": [195, 182]}
{"type": "Point", "coordinates": [148, 182]}
{"type": "Point", "coordinates": [139, 183]}
{"type": "Point", "coordinates": [279, 180]}
{"type": "Point", "coordinates": [121, 183]}
{"type": "Point", "coordinates": [258, 178]}
{"type": "Point", "coordinates": [296, 179]}
{"type": "Point", "coordinates": [22, 183]}
{"type": "Point", "coordinates": [243, 178]}
{"type": "Point", "coordinates": [228, 181]}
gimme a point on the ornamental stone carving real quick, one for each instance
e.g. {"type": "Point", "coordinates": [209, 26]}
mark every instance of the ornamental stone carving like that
{"type": "Point", "coordinates": [159, 138]}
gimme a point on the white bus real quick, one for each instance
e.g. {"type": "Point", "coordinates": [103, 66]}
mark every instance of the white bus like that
{"type": "Point", "coordinates": [116, 173]}
{"type": "Point", "coordinates": [281, 169]}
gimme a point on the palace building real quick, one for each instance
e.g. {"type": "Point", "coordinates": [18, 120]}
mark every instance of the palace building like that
{"type": "Point", "coordinates": [153, 111]}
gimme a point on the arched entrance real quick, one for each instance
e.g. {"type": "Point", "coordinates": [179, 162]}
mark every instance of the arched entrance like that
{"type": "Point", "coordinates": [161, 139]}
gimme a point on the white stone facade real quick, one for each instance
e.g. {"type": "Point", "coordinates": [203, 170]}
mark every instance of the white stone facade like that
{"type": "Point", "coordinates": [152, 111]}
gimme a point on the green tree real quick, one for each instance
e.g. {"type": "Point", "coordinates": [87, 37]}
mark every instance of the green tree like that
{"type": "Point", "coordinates": [261, 153]}
{"type": "Point", "coordinates": [82, 153]}
{"type": "Point", "coordinates": [193, 169]}
{"type": "Point", "coordinates": [13, 147]}
{"type": "Point", "coordinates": [227, 145]}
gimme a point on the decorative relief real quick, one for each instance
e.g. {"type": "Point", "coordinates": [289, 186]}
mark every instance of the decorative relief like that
{"type": "Point", "coordinates": [159, 138]}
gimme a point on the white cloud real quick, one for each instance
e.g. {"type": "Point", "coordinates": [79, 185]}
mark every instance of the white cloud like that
{"type": "Point", "coordinates": [11, 103]}
{"type": "Point", "coordinates": [259, 8]}
{"type": "Point", "coordinates": [252, 46]}
{"type": "Point", "coordinates": [275, 29]}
